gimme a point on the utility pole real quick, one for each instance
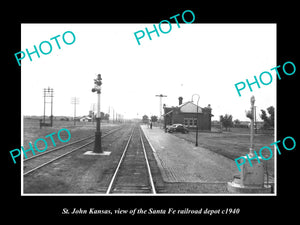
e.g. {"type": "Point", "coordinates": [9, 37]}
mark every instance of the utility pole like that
{"type": "Point", "coordinates": [108, 113]}
{"type": "Point", "coordinates": [97, 88]}
{"type": "Point", "coordinates": [113, 115]}
{"type": "Point", "coordinates": [48, 93]}
{"type": "Point", "coordinates": [252, 101]}
{"type": "Point", "coordinates": [255, 123]}
{"type": "Point", "coordinates": [196, 144]}
{"type": "Point", "coordinates": [160, 104]}
{"type": "Point", "coordinates": [44, 119]}
{"type": "Point", "coordinates": [75, 101]}
{"type": "Point", "coordinates": [93, 113]}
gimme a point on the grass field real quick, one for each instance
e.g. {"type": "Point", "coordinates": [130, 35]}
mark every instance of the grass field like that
{"type": "Point", "coordinates": [32, 131]}
{"type": "Point", "coordinates": [233, 144]}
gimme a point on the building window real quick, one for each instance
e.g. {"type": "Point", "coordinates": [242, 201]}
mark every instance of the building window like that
{"type": "Point", "coordinates": [185, 121]}
{"type": "Point", "coordinates": [195, 122]}
{"type": "Point", "coordinates": [191, 122]}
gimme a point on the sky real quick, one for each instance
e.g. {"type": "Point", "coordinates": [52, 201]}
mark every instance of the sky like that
{"type": "Point", "coordinates": [203, 59]}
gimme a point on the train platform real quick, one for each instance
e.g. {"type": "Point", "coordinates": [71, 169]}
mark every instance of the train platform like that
{"type": "Point", "coordinates": [182, 161]}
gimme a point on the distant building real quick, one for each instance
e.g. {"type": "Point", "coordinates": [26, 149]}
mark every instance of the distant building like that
{"type": "Point", "coordinates": [186, 113]}
{"type": "Point", "coordinates": [85, 119]}
{"type": "Point", "coordinates": [64, 118]}
{"type": "Point", "coordinates": [259, 124]}
{"type": "Point", "coordinates": [243, 124]}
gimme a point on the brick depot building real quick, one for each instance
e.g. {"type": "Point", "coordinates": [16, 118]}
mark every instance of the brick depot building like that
{"type": "Point", "coordinates": [186, 113]}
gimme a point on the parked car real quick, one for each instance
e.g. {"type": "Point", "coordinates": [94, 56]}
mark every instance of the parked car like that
{"type": "Point", "coordinates": [177, 128]}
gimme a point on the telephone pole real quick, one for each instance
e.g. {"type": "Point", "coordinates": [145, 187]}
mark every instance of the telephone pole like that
{"type": "Point", "coordinates": [75, 101]}
{"type": "Point", "coordinates": [160, 104]}
{"type": "Point", "coordinates": [196, 144]}
{"type": "Point", "coordinates": [48, 93]}
{"type": "Point", "coordinates": [251, 151]}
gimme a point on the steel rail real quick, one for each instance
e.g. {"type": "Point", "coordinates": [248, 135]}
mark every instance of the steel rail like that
{"type": "Point", "coordinates": [58, 148]}
{"type": "Point", "coordinates": [109, 189]}
{"type": "Point", "coordinates": [148, 165]}
{"type": "Point", "coordinates": [52, 160]}
{"type": "Point", "coordinates": [55, 149]}
{"type": "Point", "coordinates": [119, 164]}
{"type": "Point", "coordinates": [63, 155]}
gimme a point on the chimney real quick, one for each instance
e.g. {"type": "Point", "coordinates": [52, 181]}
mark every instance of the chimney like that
{"type": "Point", "coordinates": [180, 100]}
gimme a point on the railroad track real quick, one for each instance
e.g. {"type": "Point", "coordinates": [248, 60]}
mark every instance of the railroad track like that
{"type": "Point", "coordinates": [36, 162]}
{"type": "Point", "coordinates": [133, 173]}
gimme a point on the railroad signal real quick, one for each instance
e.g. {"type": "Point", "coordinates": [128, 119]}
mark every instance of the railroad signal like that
{"type": "Point", "coordinates": [98, 83]}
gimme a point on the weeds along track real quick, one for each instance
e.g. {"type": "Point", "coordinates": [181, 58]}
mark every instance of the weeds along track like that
{"type": "Point", "coordinates": [36, 162]}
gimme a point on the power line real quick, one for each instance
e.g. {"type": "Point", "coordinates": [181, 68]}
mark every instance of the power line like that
{"type": "Point", "coordinates": [48, 93]}
{"type": "Point", "coordinates": [75, 101]}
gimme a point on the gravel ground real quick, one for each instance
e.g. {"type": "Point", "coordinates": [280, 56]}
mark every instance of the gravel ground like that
{"type": "Point", "coordinates": [177, 166]}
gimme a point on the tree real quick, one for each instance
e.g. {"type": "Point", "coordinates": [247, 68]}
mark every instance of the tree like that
{"type": "Point", "coordinates": [249, 114]}
{"type": "Point", "coordinates": [106, 116]}
{"type": "Point", "coordinates": [102, 115]}
{"type": "Point", "coordinates": [268, 119]}
{"type": "Point", "coordinates": [145, 119]}
{"type": "Point", "coordinates": [237, 123]}
{"type": "Point", "coordinates": [226, 121]}
{"type": "Point", "coordinates": [154, 118]}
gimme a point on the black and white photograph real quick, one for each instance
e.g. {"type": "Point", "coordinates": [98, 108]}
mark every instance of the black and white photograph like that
{"type": "Point", "coordinates": [162, 112]}
{"type": "Point", "coordinates": [168, 115]}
